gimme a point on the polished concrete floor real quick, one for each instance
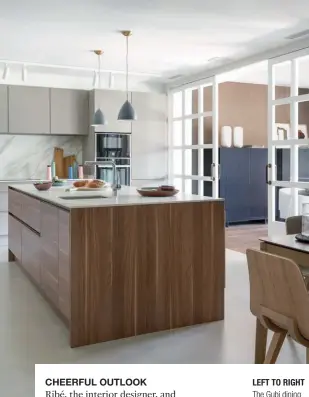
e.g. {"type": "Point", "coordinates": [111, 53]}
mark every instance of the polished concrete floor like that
{"type": "Point", "coordinates": [31, 333]}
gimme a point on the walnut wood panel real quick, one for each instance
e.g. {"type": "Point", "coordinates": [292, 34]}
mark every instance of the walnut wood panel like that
{"type": "Point", "coordinates": [14, 239]}
{"type": "Point", "coordinates": [31, 254]}
{"type": "Point", "coordinates": [64, 264]}
{"type": "Point", "coordinates": [141, 269]}
{"type": "Point", "coordinates": [49, 285]}
{"type": "Point", "coordinates": [14, 202]}
{"type": "Point", "coordinates": [49, 252]}
{"type": "Point", "coordinates": [30, 211]}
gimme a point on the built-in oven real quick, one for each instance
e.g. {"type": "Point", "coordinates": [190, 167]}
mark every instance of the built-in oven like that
{"type": "Point", "coordinates": [115, 146]}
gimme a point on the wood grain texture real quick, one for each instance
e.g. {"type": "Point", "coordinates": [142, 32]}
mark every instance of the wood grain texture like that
{"type": "Point", "coordinates": [141, 269]}
{"type": "Point", "coordinates": [49, 252]}
{"type": "Point", "coordinates": [30, 212]}
{"type": "Point", "coordinates": [279, 299]}
{"type": "Point", "coordinates": [14, 202]}
{"type": "Point", "coordinates": [64, 263]}
{"type": "Point", "coordinates": [31, 259]}
{"type": "Point", "coordinates": [14, 239]}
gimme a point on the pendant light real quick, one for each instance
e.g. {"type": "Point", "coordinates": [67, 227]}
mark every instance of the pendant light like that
{"type": "Point", "coordinates": [127, 112]}
{"type": "Point", "coordinates": [98, 118]}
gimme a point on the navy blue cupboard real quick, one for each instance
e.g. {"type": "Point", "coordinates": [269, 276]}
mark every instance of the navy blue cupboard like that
{"type": "Point", "coordinates": [242, 183]}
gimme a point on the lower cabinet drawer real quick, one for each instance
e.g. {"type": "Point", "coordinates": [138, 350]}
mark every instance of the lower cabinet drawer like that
{"type": "Point", "coordinates": [15, 229]}
{"type": "Point", "coordinates": [30, 256]}
{"type": "Point", "coordinates": [15, 203]}
{"type": "Point", "coordinates": [30, 212]}
{"type": "Point", "coordinates": [50, 286]}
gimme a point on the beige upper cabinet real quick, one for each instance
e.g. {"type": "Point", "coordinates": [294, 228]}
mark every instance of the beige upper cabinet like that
{"type": "Point", "coordinates": [69, 111]}
{"type": "Point", "coordinates": [29, 110]}
{"type": "Point", "coordinates": [110, 102]}
{"type": "Point", "coordinates": [4, 110]}
{"type": "Point", "coordinates": [150, 107]}
{"type": "Point", "coordinates": [149, 137]}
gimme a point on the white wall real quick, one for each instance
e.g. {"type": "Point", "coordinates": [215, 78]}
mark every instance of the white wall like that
{"type": "Point", "coordinates": [67, 78]}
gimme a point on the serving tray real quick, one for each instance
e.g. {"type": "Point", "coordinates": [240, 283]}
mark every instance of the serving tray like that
{"type": "Point", "coordinates": [157, 193]}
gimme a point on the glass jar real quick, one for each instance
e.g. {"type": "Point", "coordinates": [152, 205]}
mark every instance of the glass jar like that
{"type": "Point", "coordinates": [305, 219]}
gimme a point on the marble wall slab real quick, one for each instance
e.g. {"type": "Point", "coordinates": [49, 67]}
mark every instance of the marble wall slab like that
{"type": "Point", "coordinates": [27, 156]}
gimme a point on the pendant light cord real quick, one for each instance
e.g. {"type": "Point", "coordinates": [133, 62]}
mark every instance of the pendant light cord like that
{"type": "Point", "coordinates": [99, 71]}
{"type": "Point", "coordinates": [127, 68]}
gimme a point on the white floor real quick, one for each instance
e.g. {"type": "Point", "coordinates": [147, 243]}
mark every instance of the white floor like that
{"type": "Point", "coordinates": [31, 333]}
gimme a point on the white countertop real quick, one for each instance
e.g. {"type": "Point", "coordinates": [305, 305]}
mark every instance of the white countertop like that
{"type": "Point", "coordinates": [127, 195]}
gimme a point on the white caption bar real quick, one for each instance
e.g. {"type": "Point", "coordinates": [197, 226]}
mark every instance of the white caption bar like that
{"type": "Point", "coordinates": [171, 380]}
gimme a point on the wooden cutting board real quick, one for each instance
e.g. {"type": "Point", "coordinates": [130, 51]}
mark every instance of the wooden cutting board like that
{"type": "Point", "coordinates": [58, 159]}
{"type": "Point", "coordinates": [68, 161]}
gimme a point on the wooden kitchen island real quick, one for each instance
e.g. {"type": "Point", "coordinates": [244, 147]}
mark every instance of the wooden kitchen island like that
{"type": "Point", "coordinates": [119, 267]}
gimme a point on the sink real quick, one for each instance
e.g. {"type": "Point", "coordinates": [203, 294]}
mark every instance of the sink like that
{"type": "Point", "coordinates": [82, 197]}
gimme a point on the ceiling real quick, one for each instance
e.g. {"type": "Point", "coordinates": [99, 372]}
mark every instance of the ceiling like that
{"type": "Point", "coordinates": [258, 73]}
{"type": "Point", "coordinates": [169, 37]}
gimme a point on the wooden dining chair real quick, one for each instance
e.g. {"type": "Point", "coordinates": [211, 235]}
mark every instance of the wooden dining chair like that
{"type": "Point", "coordinates": [293, 225]}
{"type": "Point", "coordinates": [280, 301]}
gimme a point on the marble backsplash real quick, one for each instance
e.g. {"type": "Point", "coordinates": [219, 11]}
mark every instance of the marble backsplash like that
{"type": "Point", "coordinates": [26, 156]}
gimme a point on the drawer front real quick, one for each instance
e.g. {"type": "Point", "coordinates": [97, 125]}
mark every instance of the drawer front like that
{"type": "Point", "coordinates": [49, 286]}
{"type": "Point", "coordinates": [31, 212]}
{"type": "Point", "coordinates": [64, 264]}
{"type": "Point", "coordinates": [31, 254]}
{"type": "Point", "coordinates": [49, 223]}
{"type": "Point", "coordinates": [15, 229]}
{"type": "Point", "coordinates": [15, 203]}
{"type": "Point", "coordinates": [4, 205]}
{"type": "Point", "coordinates": [49, 260]}
{"type": "Point", "coordinates": [3, 223]}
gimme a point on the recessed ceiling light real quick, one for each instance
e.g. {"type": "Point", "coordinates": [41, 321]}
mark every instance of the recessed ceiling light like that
{"type": "Point", "coordinates": [213, 59]}
{"type": "Point", "coordinates": [298, 35]}
{"type": "Point", "coordinates": [175, 77]}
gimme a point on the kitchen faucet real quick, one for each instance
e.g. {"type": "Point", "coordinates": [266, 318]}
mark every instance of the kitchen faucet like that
{"type": "Point", "coordinates": [115, 185]}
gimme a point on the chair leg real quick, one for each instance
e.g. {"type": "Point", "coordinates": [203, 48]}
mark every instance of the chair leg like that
{"type": "Point", "coordinates": [307, 355]}
{"type": "Point", "coordinates": [260, 342]}
{"type": "Point", "coordinates": [275, 347]}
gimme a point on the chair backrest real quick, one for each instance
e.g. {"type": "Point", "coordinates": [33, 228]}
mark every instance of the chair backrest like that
{"type": "Point", "coordinates": [293, 224]}
{"type": "Point", "coordinates": [277, 284]}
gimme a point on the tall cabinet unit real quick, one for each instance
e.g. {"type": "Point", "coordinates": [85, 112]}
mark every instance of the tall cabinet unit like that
{"type": "Point", "coordinates": [242, 183]}
{"type": "Point", "coordinates": [149, 139]}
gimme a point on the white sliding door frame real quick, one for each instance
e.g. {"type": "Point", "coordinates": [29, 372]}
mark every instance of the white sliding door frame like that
{"type": "Point", "coordinates": [292, 143]}
{"type": "Point", "coordinates": [180, 120]}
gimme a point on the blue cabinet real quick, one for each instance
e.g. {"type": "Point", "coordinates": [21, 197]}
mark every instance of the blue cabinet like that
{"type": "Point", "coordinates": [242, 183]}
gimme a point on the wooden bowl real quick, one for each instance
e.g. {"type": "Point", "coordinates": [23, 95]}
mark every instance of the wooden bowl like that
{"type": "Point", "coordinates": [157, 193]}
{"type": "Point", "coordinates": [43, 185]}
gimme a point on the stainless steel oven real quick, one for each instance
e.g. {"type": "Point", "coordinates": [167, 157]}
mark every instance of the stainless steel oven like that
{"type": "Point", "coordinates": [115, 146]}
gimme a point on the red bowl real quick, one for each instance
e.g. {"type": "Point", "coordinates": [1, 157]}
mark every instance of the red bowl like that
{"type": "Point", "coordinates": [43, 186]}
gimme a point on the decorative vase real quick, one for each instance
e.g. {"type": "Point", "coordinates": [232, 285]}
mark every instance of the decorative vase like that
{"type": "Point", "coordinates": [238, 137]}
{"type": "Point", "coordinates": [226, 136]}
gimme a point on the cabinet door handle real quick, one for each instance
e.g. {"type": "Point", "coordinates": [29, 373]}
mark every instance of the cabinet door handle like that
{"type": "Point", "coordinates": [212, 171]}
{"type": "Point", "coordinates": [219, 171]}
{"type": "Point", "coordinates": [266, 174]}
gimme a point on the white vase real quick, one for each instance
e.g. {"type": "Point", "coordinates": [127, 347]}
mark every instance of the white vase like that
{"type": "Point", "coordinates": [226, 136]}
{"type": "Point", "coordinates": [238, 137]}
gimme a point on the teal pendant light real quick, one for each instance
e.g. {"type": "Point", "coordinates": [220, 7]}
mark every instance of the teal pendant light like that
{"type": "Point", "coordinates": [127, 112]}
{"type": "Point", "coordinates": [99, 118]}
